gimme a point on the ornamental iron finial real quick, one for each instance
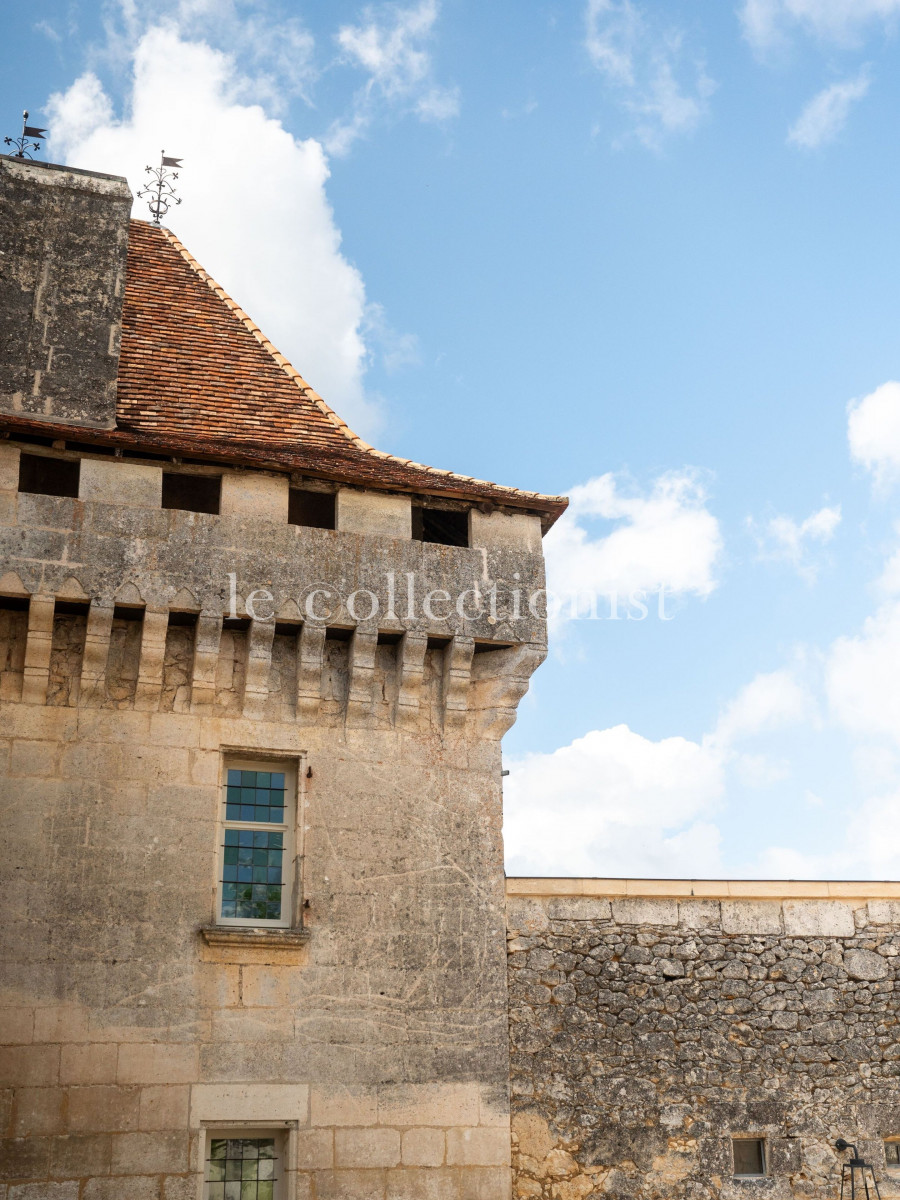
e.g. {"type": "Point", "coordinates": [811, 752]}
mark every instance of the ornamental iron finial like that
{"type": "Point", "coordinates": [159, 192]}
{"type": "Point", "coordinates": [28, 140]}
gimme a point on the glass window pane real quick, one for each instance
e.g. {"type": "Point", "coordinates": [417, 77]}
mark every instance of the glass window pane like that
{"type": "Point", "coordinates": [234, 778]}
{"type": "Point", "coordinates": [748, 1156]}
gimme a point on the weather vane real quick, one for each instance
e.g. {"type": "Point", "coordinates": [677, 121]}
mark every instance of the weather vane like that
{"type": "Point", "coordinates": [28, 141]}
{"type": "Point", "coordinates": [160, 193]}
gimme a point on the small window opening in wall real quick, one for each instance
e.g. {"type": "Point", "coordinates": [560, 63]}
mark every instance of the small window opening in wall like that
{"type": "Point", "coordinates": [14, 603]}
{"type": "Point", "coordinates": [191, 493]}
{"type": "Point", "coordinates": [313, 509]}
{"type": "Point", "coordinates": [892, 1153]}
{"type": "Point", "coordinates": [440, 526]}
{"type": "Point", "coordinates": [42, 475]}
{"type": "Point", "coordinates": [749, 1156]}
{"type": "Point", "coordinates": [243, 1164]}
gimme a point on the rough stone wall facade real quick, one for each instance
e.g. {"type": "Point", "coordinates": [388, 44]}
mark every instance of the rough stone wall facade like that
{"type": "Point", "coordinates": [647, 1032]}
{"type": "Point", "coordinates": [63, 241]}
{"type": "Point", "coordinates": [373, 1033]}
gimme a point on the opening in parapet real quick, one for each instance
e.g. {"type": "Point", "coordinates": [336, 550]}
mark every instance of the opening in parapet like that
{"type": "Point", "coordinates": [443, 526]}
{"type": "Point", "coordinates": [191, 493]}
{"type": "Point", "coordinates": [43, 475]}
{"type": "Point", "coordinates": [485, 647]}
{"type": "Point", "coordinates": [313, 509]}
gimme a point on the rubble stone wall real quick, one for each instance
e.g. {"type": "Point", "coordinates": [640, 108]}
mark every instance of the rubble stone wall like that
{"type": "Point", "coordinates": [647, 1032]}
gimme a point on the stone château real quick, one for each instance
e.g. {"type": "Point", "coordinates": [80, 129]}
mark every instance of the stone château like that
{"type": "Point", "coordinates": [258, 943]}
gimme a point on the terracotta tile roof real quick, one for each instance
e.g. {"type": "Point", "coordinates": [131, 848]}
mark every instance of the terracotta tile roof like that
{"type": "Point", "coordinates": [198, 379]}
{"type": "Point", "coordinates": [195, 368]}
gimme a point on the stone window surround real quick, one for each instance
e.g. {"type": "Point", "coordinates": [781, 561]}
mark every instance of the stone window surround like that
{"type": "Point", "coordinates": [242, 932]}
{"type": "Point", "coordinates": [284, 1131]}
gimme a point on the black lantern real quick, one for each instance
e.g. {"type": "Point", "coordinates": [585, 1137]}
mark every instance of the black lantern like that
{"type": "Point", "coordinates": [857, 1176]}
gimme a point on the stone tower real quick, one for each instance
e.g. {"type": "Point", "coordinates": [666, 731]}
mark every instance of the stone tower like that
{"type": "Point", "coordinates": [253, 680]}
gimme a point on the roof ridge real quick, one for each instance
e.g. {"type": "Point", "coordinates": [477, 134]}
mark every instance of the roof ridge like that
{"type": "Point", "coordinates": [313, 396]}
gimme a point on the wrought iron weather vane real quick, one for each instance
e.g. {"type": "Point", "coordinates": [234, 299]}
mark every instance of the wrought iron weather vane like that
{"type": "Point", "coordinates": [159, 191]}
{"type": "Point", "coordinates": [29, 139]}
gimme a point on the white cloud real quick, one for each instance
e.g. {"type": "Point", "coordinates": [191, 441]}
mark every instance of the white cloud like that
{"type": "Point", "coordinates": [873, 431]}
{"type": "Point", "coordinates": [616, 803]}
{"type": "Point", "coordinates": [770, 701]}
{"type": "Point", "coordinates": [766, 23]}
{"type": "Point", "coordinates": [665, 90]}
{"type": "Point", "coordinates": [863, 677]}
{"type": "Point", "coordinates": [784, 539]}
{"type": "Point", "coordinates": [271, 238]}
{"type": "Point", "coordinates": [825, 115]}
{"type": "Point", "coordinates": [613, 803]}
{"type": "Point", "coordinates": [666, 539]}
{"type": "Point", "coordinates": [390, 46]}
{"type": "Point", "coordinates": [275, 53]}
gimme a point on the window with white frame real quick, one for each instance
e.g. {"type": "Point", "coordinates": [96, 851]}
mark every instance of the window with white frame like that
{"type": "Point", "coordinates": [257, 851]}
{"type": "Point", "coordinates": [245, 1165]}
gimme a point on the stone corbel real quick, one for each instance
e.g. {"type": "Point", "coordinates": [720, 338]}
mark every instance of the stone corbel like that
{"type": "Point", "coordinates": [363, 645]}
{"type": "Point", "coordinates": [38, 643]}
{"type": "Point", "coordinates": [457, 673]}
{"type": "Point", "coordinates": [152, 658]}
{"type": "Point", "coordinates": [500, 678]}
{"type": "Point", "coordinates": [310, 660]}
{"type": "Point", "coordinates": [96, 652]}
{"type": "Point", "coordinates": [411, 668]}
{"type": "Point", "coordinates": [206, 659]}
{"type": "Point", "coordinates": [259, 664]}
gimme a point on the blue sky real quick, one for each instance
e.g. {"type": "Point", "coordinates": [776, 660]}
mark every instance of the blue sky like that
{"type": "Point", "coordinates": [642, 253]}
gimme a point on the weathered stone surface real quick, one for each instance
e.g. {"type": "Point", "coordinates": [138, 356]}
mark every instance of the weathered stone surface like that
{"type": "Point", "coordinates": [135, 1031]}
{"type": "Point", "coordinates": [865, 965]}
{"type": "Point", "coordinates": [638, 1049]}
{"type": "Point", "coordinates": [64, 241]}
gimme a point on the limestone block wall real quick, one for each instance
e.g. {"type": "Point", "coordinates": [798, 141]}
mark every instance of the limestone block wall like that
{"type": "Point", "coordinates": [371, 1036]}
{"type": "Point", "coordinates": [652, 1022]}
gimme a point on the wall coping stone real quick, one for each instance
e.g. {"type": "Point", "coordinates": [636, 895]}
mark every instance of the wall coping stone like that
{"type": "Point", "coordinates": [748, 889]}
